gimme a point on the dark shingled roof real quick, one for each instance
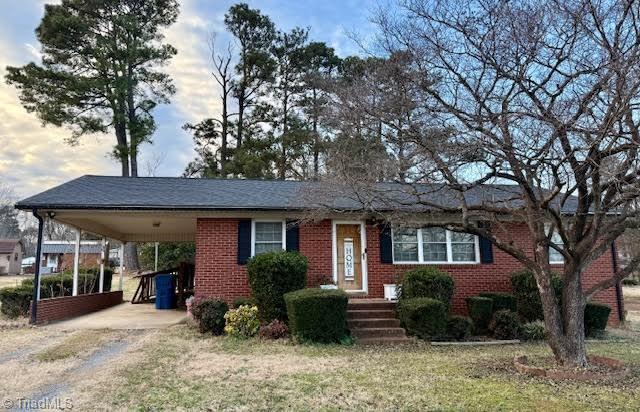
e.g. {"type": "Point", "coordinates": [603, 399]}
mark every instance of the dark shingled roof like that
{"type": "Point", "coordinates": [153, 193]}
{"type": "Point", "coordinates": [67, 247]}
{"type": "Point", "coordinates": [8, 245]}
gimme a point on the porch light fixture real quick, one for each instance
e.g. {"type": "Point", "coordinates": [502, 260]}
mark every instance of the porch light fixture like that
{"type": "Point", "coordinates": [156, 224]}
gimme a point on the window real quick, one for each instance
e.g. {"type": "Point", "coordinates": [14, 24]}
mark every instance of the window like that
{"type": "Point", "coordinates": [15, 257]}
{"type": "Point", "coordinates": [554, 255]}
{"type": "Point", "coordinates": [434, 245]}
{"type": "Point", "coordinates": [405, 245]}
{"type": "Point", "coordinates": [268, 236]}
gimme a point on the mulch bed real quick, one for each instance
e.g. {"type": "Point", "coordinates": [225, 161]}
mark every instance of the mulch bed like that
{"type": "Point", "coordinates": [600, 369]}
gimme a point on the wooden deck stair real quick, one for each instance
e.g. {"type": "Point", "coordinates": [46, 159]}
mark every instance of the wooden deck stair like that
{"type": "Point", "coordinates": [374, 322]}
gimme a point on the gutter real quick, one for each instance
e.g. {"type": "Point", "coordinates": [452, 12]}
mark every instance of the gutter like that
{"type": "Point", "coordinates": [36, 279]}
{"type": "Point", "coordinates": [619, 298]}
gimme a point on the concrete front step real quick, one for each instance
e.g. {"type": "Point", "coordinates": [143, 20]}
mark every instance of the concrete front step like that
{"type": "Point", "coordinates": [364, 333]}
{"type": "Point", "coordinates": [370, 314]}
{"type": "Point", "coordinates": [384, 341]}
{"type": "Point", "coordinates": [373, 323]}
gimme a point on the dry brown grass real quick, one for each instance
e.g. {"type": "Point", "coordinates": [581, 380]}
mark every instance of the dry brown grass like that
{"type": "Point", "coordinates": [75, 345]}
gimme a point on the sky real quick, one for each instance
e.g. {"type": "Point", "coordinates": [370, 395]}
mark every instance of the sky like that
{"type": "Point", "coordinates": [34, 158]}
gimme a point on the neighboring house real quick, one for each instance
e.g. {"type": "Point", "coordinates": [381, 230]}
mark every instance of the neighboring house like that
{"type": "Point", "coordinates": [232, 220]}
{"type": "Point", "coordinates": [11, 251]}
{"type": "Point", "coordinates": [58, 255]}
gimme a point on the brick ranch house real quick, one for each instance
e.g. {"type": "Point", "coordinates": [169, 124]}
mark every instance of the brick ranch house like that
{"type": "Point", "coordinates": [58, 255]}
{"type": "Point", "coordinates": [231, 220]}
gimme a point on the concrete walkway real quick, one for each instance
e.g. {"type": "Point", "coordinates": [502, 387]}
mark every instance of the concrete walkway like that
{"type": "Point", "coordinates": [124, 316]}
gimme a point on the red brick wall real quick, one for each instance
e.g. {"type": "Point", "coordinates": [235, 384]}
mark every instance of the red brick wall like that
{"type": "Point", "coordinates": [219, 275]}
{"type": "Point", "coordinates": [87, 260]}
{"type": "Point", "coordinates": [54, 309]}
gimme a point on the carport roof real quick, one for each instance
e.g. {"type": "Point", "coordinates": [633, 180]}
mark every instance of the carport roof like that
{"type": "Point", "coordinates": [166, 193]}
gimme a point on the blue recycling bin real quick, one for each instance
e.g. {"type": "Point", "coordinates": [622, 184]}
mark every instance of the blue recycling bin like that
{"type": "Point", "coordinates": [165, 292]}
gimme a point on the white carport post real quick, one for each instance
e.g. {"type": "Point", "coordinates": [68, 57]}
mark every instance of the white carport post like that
{"type": "Point", "coordinates": [121, 265]}
{"type": "Point", "coordinates": [102, 255]}
{"type": "Point", "coordinates": [76, 263]}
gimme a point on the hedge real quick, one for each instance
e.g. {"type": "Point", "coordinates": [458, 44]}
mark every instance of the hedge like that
{"type": "Point", "coordinates": [481, 311]}
{"type": "Point", "coordinates": [425, 318]}
{"type": "Point", "coordinates": [505, 325]}
{"type": "Point", "coordinates": [271, 276]}
{"type": "Point", "coordinates": [428, 282]}
{"type": "Point", "coordinates": [501, 300]}
{"type": "Point", "coordinates": [459, 327]}
{"type": "Point", "coordinates": [596, 316]}
{"type": "Point", "coordinates": [525, 290]}
{"type": "Point", "coordinates": [15, 301]}
{"type": "Point", "coordinates": [210, 315]}
{"type": "Point", "coordinates": [317, 315]}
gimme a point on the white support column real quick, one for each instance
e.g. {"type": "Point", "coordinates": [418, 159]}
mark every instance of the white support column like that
{"type": "Point", "coordinates": [102, 259]}
{"type": "Point", "coordinates": [76, 263]}
{"type": "Point", "coordinates": [121, 265]}
{"type": "Point", "coordinates": [155, 266]}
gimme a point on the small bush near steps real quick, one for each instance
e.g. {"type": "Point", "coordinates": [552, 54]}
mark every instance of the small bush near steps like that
{"type": "Point", "coordinates": [428, 282]}
{"type": "Point", "coordinates": [317, 315]}
{"type": "Point", "coordinates": [480, 311]}
{"type": "Point", "coordinates": [459, 327]}
{"type": "Point", "coordinates": [533, 331]}
{"type": "Point", "coordinates": [425, 318]}
{"type": "Point", "coordinates": [505, 325]}
{"type": "Point", "coordinates": [242, 322]}
{"type": "Point", "coordinates": [277, 329]}
{"type": "Point", "coordinates": [210, 315]}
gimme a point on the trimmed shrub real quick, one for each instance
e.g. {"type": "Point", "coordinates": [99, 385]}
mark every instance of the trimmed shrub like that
{"type": "Point", "coordinates": [459, 327]}
{"type": "Point", "coordinates": [242, 322]}
{"type": "Point", "coordinates": [533, 331]}
{"type": "Point", "coordinates": [425, 318]}
{"type": "Point", "coordinates": [427, 282]}
{"type": "Point", "coordinates": [501, 301]}
{"type": "Point", "coordinates": [505, 325]}
{"type": "Point", "coordinates": [273, 274]}
{"type": "Point", "coordinates": [527, 296]}
{"type": "Point", "coordinates": [27, 282]}
{"type": "Point", "coordinates": [317, 315]}
{"type": "Point", "coordinates": [480, 311]}
{"type": "Point", "coordinates": [630, 282]}
{"type": "Point", "coordinates": [15, 301]}
{"type": "Point", "coordinates": [243, 300]}
{"type": "Point", "coordinates": [596, 316]}
{"type": "Point", "coordinates": [277, 329]}
{"type": "Point", "coordinates": [210, 315]}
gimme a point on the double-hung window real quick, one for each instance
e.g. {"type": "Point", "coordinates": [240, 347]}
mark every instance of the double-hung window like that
{"type": "Point", "coordinates": [268, 236]}
{"type": "Point", "coordinates": [433, 245]}
{"type": "Point", "coordinates": [555, 257]}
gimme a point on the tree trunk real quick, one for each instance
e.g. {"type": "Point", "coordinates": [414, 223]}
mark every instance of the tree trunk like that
{"type": "Point", "coordinates": [240, 118]}
{"type": "Point", "coordinates": [316, 137]}
{"type": "Point", "coordinates": [131, 262]}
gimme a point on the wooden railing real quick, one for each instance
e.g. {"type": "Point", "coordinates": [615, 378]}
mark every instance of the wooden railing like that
{"type": "Point", "coordinates": [146, 291]}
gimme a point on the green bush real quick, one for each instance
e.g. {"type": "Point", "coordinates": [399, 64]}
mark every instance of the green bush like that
{"type": "Point", "coordinates": [459, 327]}
{"type": "Point", "coordinates": [427, 282]}
{"type": "Point", "coordinates": [596, 316]}
{"type": "Point", "coordinates": [242, 322]}
{"type": "Point", "coordinates": [425, 318]}
{"type": "Point", "coordinates": [210, 315]}
{"type": "Point", "coordinates": [243, 300]}
{"type": "Point", "coordinates": [480, 311]}
{"type": "Point", "coordinates": [15, 301]}
{"type": "Point", "coordinates": [317, 315]}
{"type": "Point", "coordinates": [27, 282]}
{"type": "Point", "coordinates": [273, 274]}
{"type": "Point", "coordinates": [505, 325]}
{"type": "Point", "coordinates": [501, 301]}
{"type": "Point", "coordinates": [630, 282]}
{"type": "Point", "coordinates": [52, 286]}
{"type": "Point", "coordinates": [527, 296]}
{"type": "Point", "coordinates": [535, 330]}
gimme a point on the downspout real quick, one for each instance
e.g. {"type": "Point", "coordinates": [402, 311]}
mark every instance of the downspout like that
{"type": "Point", "coordinates": [36, 280]}
{"type": "Point", "coordinates": [619, 300]}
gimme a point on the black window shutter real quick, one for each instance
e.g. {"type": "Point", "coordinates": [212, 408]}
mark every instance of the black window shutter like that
{"type": "Point", "coordinates": [293, 236]}
{"type": "Point", "coordinates": [486, 247]}
{"type": "Point", "coordinates": [244, 241]}
{"type": "Point", "coordinates": [386, 246]}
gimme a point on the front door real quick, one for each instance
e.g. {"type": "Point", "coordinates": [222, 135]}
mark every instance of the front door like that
{"type": "Point", "coordinates": [350, 257]}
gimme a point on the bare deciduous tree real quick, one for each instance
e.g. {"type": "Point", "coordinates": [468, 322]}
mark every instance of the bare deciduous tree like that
{"type": "Point", "coordinates": [543, 96]}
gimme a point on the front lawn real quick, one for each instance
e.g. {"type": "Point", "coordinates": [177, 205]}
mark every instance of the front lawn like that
{"type": "Point", "coordinates": [179, 369]}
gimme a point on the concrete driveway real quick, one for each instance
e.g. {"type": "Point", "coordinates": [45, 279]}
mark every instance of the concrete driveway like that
{"type": "Point", "coordinates": [125, 316]}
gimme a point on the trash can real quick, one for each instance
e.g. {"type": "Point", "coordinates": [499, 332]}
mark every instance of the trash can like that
{"type": "Point", "coordinates": [165, 292]}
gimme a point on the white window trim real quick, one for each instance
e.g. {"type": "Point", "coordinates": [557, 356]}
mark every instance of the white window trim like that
{"type": "Point", "coordinates": [553, 262]}
{"type": "Point", "coordinates": [253, 232]}
{"type": "Point", "coordinates": [449, 260]}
